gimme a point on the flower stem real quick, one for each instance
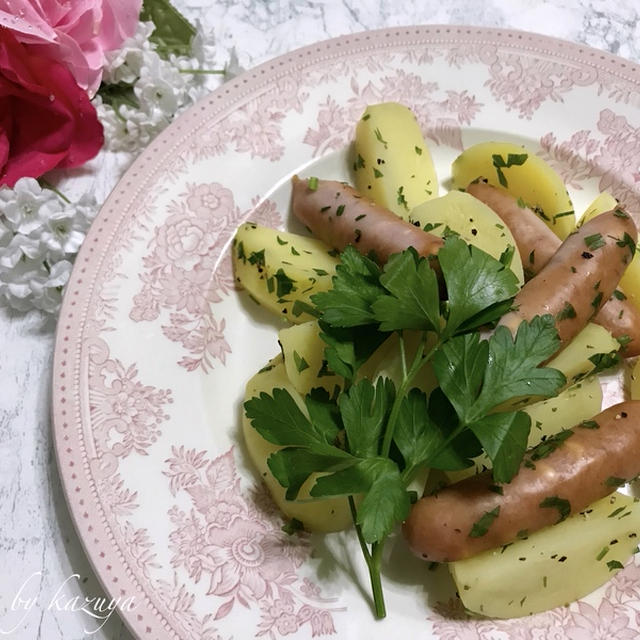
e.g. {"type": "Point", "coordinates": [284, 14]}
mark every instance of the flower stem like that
{"type": "Point", "coordinates": [45, 184]}
{"type": "Point", "coordinates": [373, 560]}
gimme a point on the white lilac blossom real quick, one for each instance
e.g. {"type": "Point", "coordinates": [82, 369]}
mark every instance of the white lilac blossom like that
{"type": "Point", "coordinates": [162, 88]}
{"type": "Point", "coordinates": [40, 234]}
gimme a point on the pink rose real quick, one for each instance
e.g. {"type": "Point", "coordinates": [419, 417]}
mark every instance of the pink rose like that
{"type": "Point", "coordinates": [46, 119]}
{"type": "Point", "coordinates": [75, 33]}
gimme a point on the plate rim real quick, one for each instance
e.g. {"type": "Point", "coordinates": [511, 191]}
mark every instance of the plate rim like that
{"type": "Point", "coordinates": [225, 99]}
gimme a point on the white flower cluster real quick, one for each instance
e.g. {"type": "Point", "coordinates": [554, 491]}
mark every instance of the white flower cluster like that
{"type": "Point", "coordinates": [162, 88]}
{"type": "Point", "coordinates": [40, 234]}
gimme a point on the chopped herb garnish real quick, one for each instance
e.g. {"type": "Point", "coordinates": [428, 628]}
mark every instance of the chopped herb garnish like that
{"type": "Point", "coordinates": [614, 564]}
{"type": "Point", "coordinates": [589, 424]}
{"type": "Point", "coordinates": [284, 284]}
{"type": "Point", "coordinates": [603, 553]}
{"type": "Point", "coordinates": [627, 241]}
{"type": "Point", "coordinates": [281, 241]}
{"type": "Point", "coordinates": [604, 361]}
{"type": "Point", "coordinates": [359, 162]}
{"type": "Point", "coordinates": [312, 183]}
{"type": "Point", "coordinates": [377, 173]}
{"type": "Point", "coordinates": [613, 481]}
{"type": "Point", "coordinates": [362, 215]}
{"type": "Point", "coordinates": [562, 215]}
{"type": "Point", "coordinates": [294, 251]}
{"type": "Point", "coordinates": [325, 208]}
{"type": "Point", "coordinates": [566, 312]}
{"type": "Point", "coordinates": [300, 362]}
{"type": "Point", "coordinates": [401, 199]}
{"type": "Point", "coordinates": [619, 295]}
{"type": "Point", "coordinates": [418, 150]}
{"type": "Point", "coordinates": [481, 527]}
{"type": "Point", "coordinates": [595, 241]}
{"type": "Point", "coordinates": [521, 203]}
{"type": "Point", "coordinates": [595, 303]}
{"type": "Point", "coordinates": [292, 526]}
{"type": "Point", "coordinates": [549, 445]}
{"type": "Point", "coordinates": [379, 137]}
{"type": "Point", "coordinates": [366, 116]}
{"type": "Point", "coordinates": [554, 502]}
{"type": "Point", "coordinates": [340, 210]}
{"type": "Point", "coordinates": [619, 213]}
{"type": "Point", "coordinates": [513, 159]}
{"type": "Point", "coordinates": [240, 252]}
{"type": "Point", "coordinates": [321, 272]}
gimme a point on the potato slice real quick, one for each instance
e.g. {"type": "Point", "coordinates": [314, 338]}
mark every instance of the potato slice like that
{"type": "Point", "coordinates": [580, 402]}
{"type": "Point", "coordinates": [331, 514]}
{"type": "Point", "coordinates": [473, 220]}
{"type": "Point", "coordinates": [634, 381]}
{"type": "Point", "coordinates": [602, 203]}
{"type": "Point", "coordinates": [553, 566]}
{"type": "Point", "coordinates": [524, 174]}
{"type": "Point", "coordinates": [574, 360]}
{"type": "Point", "coordinates": [630, 281]}
{"type": "Point", "coordinates": [303, 351]}
{"type": "Point", "coordinates": [279, 268]}
{"type": "Point", "coordinates": [392, 164]}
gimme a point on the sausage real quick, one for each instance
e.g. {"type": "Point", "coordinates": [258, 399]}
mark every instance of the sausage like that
{"type": "Point", "coordinates": [537, 244]}
{"type": "Point", "coordinates": [339, 216]}
{"type": "Point", "coordinates": [561, 476]}
{"type": "Point", "coordinates": [580, 277]}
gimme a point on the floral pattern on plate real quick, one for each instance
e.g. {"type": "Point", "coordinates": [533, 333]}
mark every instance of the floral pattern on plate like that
{"type": "Point", "coordinates": [155, 342]}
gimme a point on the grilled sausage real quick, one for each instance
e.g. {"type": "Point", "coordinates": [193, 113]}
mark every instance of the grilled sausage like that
{"type": "Point", "coordinates": [537, 245]}
{"type": "Point", "coordinates": [339, 216]}
{"type": "Point", "coordinates": [560, 476]}
{"type": "Point", "coordinates": [580, 276]}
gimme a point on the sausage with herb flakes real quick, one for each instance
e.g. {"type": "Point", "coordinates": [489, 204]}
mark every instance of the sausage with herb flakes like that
{"type": "Point", "coordinates": [537, 244]}
{"type": "Point", "coordinates": [338, 215]}
{"type": "Point", "coordinates": [561, 476]}
{"type": "Point", "coordinates": [580, 277]}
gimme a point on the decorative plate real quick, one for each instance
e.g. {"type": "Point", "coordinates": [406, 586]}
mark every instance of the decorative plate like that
{"type": "Point", "coordinates": [155, 344]}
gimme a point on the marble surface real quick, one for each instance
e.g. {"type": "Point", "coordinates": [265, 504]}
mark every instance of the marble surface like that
{"type": "Point", "coordinates": [38, 544]}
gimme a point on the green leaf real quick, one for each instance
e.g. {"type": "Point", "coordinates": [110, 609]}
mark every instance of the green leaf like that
{"type": "Point", "coordinates": [504, 438]}
{"type": "Point", "coordinates": [420, 440]}
{"type": "Point", "coordinates": [356, 287]}
{"type": "Point", "coordinates": [292, 466]}
{"type": "Point", "coordinates": [364, 409]}
{"type": "Point", "coordinates": [386, 503]}
{"type": "Point", "coordinates": [459, 365]}
{"type": "Point", "coordinates": [118, 94]}
{"type": "Point", "coordinates": [173, 33]}
{"type": "Point", "coordinates": [324, 413]}
{"type": "Point", "coordinates": [513, 369]}
{"type": "Point", "coordinates": [349, 348]}
{"type": "Point", "coordinates": [413, 302]}
{"type": "Point", "coordinates": [355, 479]}
{"type": "Point", "coordinates": [475, 281]}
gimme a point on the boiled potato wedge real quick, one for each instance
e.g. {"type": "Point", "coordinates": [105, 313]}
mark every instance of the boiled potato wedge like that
{"type": "Point", "coordinates": [602, 203]}
{"type": "Point", "coordinates": [553, 566]}
{"type": "Point", "coordinates": [279, 268]}
{"type": "Point", "coordinates": [580, 402]}
{"type": "Point", "coordinates": [303, 351]}
{"type": "Point", "coordinates": [473, 220]}
{"type": "Point", "coordinates": [591, 342]}
{"type": "Point", "coordinates": [630, 281]}
{"type": "Point", "coordinates": [392, 164]}
{"type": "Point", "coordinates": [634, 381]}
{"type": "Point", "coordinates": [524, 174]}
{"type": "Point", "coordinates": [331, 514]}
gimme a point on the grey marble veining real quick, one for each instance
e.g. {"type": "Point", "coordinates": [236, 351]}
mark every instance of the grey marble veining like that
{"type": "Point", "coordinates": [38, 543]}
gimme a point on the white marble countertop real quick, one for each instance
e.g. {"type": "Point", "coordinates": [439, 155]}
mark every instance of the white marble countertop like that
{"type": "Point", "coordinates": [37, 537]}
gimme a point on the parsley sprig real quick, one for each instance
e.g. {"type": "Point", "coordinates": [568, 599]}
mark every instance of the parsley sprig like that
{"type": "Point", "coordinates": [369, 440]}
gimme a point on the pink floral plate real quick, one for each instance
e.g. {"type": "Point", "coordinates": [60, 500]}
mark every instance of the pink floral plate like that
{"type": "Point", "coordinates": [155, 344]}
